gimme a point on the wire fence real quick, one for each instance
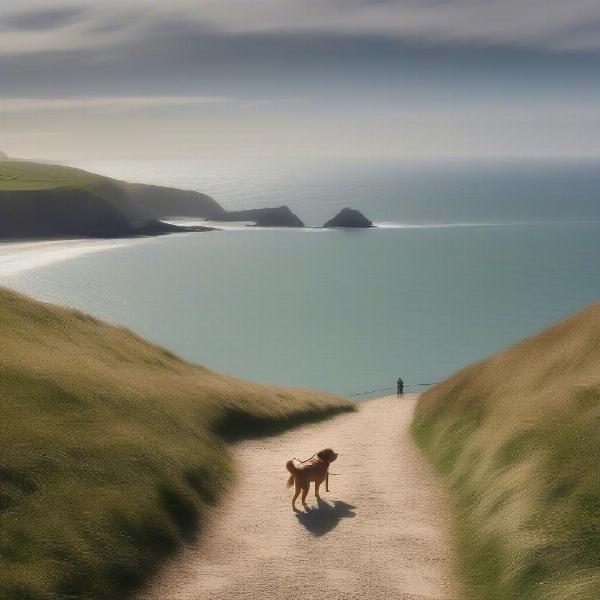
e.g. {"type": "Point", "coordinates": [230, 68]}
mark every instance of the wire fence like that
{"type": "Point", "coordinates": [406, 385]}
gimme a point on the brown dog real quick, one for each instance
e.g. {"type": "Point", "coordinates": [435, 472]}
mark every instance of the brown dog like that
{"type": "Point", "coordinates": [315, 469]}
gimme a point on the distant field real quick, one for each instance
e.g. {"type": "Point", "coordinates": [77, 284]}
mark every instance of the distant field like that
{"type": "Point", "coordinates": [112, 449]}
{"type": "Point", "coordinates": [518, 438]}
{"type": "Point", "coordinates": [16, 175]}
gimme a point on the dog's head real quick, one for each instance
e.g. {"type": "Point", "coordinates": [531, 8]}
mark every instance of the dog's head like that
{"type": "Point", "coordinates": [327, 455]}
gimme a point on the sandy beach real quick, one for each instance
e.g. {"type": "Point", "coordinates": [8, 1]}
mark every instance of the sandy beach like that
{"type": "Point", "coordinates": [381, 532]}
{"type": "Point", "coordinates": [22, 255]}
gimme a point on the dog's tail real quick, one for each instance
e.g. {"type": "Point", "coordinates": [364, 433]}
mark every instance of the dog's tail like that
{"type": "Point", "coordinates": [291, 467]}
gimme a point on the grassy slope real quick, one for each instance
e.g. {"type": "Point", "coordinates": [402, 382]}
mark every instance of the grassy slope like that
{"type": "Point", "coordinates": [518, 437]}
{"type": "Point", "coordinates": [159, 200]}
{"type": "Point", "coordinates": [20, 175]}
{"type": "Point", "coordinates": [108, 451]}
{"type": "Point", "coordinates": [38, 200]}
{"type": "Point", "coordinates": [135, 200]}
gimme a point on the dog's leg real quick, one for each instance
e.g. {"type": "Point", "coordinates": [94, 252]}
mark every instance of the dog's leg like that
{"type": "Point", "coordinates": [327, 482]}
{"type": "Point", "coordinates": [296, 494]}
{"type": "Point", "coordinates": [305, 493]}
{"type": "Point", "coordinates": [317, 484]}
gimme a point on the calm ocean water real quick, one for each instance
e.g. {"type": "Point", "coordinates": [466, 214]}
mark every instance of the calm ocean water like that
{"type": "Point", "coordinates": [471, 257]}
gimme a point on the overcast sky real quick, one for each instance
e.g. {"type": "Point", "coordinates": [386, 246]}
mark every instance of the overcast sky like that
{"type": "Point", "coordinates": [408, 78]}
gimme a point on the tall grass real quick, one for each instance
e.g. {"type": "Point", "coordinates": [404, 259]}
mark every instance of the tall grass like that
{"type": "Point", "coordinates": [112, 449]}
{"type": "Point", "coordinates": [518, 438]}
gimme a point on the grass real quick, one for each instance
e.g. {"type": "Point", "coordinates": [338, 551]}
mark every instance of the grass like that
{"type": "Point", "coordinates": [41, 200]}
{"type": "Point", "coordinates": [48, 201]}
{"type": "Point", "coordinates": [20, 175]}
{"type": "Point", "coordinates": [518, 438]}
{"type": "Point", "coordinates": [112, 450]}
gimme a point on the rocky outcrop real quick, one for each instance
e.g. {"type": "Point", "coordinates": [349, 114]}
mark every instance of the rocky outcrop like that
{"type": "Point", "coordinates": [348, 217]}
{"type": "Point", "coordinates": [281, 216]}
{"type": "Point", "coordinates": [3, 155]}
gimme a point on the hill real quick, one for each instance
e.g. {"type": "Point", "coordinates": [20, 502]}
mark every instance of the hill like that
{"type": "Point", "coordinates": [39, 200]}
{"type": "Point", "coordinates": [42, 200]}
{"type": "Point", "coordinates": [518, 437]}
{"type": "Point", "coordinates": [112, 449]}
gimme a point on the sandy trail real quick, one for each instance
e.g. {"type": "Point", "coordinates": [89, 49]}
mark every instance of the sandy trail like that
{"type": "Point", "coordinates": [379, 533]}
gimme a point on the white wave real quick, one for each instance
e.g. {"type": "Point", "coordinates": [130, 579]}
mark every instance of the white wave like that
{"type": "Point", "coordinates": [392, 225]}
{"type": "Point", "coordinates": [226, 225]}
{"type": "Point", "coordinates": [237, 225]}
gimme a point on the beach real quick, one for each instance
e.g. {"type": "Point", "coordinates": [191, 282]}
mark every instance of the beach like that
{"type": "Point", "coordinates": [23, 255]}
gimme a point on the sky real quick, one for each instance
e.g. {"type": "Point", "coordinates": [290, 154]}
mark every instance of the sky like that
{"type": "Point", "coordinates": [82, 79]}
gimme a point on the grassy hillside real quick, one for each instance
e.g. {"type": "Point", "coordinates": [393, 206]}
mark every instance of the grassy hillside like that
{"type": "Point", "coordinates": [40, 200]}
{"type": "Point", "coordinates": [518, 437]}
{"type": "Point", "coordinates": [109, 452]}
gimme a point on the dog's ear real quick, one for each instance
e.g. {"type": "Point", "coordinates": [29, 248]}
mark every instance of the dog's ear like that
{"type": "Point", "coordinates": [327, 455]}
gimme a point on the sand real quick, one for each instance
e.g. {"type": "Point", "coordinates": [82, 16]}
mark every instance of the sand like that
{"type": "Point", "coordinates": [381, 531]}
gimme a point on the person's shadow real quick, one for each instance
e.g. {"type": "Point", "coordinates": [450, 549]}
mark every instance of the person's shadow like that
{"type": "Point", "coordinates": [326, 516]}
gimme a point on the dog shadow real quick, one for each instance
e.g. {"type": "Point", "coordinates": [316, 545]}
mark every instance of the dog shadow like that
{"type": "Point", "coordinates": [325, 516]}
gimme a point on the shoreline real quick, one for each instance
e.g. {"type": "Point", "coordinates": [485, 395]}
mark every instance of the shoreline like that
{"type": "Point", "coordinates": [24, 255]}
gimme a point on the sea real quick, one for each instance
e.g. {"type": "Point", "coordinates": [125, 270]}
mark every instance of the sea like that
{"type": "Point", "coordinates": [467, 258]}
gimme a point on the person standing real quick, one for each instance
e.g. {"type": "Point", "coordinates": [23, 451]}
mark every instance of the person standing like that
{"type": "Point", "coordinates": [400, 385]}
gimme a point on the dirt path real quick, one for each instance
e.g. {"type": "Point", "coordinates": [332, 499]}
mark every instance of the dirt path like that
{"type": "Point", "coordinates": [379, 533]}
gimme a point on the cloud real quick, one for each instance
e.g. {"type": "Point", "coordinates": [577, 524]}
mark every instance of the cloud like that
{"type": "Point", "coordinates": [287, 63]}
{"type": "Point", "coordinates": [38, 105]}
{"type": "Point", "coordinates": [552, 25]}
{"type": "Point", "coordinates": [43, 18]}
{"type": "Point", "coordinates": [549, 24]}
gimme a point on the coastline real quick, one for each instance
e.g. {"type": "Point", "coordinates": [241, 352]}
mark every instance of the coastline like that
{"type": "Point", "coordinates": [23, 253]}
{"type": "Point", "coordinates": [17, 256]}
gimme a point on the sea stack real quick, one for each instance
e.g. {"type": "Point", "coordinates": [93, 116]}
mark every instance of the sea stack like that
{"type": "Point", "coordinates": [348, 217]}
{"type": "Point", "coordinates": [3, 155]}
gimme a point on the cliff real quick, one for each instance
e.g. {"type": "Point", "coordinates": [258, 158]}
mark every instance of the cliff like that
{"type": "Point", "coordinates": [46, 201]}
{"type": "Point", "coordinates": [165, 202]}
{"type": "Point", "coordinates": [41, 200]}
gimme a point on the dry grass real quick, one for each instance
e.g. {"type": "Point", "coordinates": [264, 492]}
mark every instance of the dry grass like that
{"type": "Point", "coordinates": [109, 454]}
{"type": "Point", "coordinates": [518, 436]}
